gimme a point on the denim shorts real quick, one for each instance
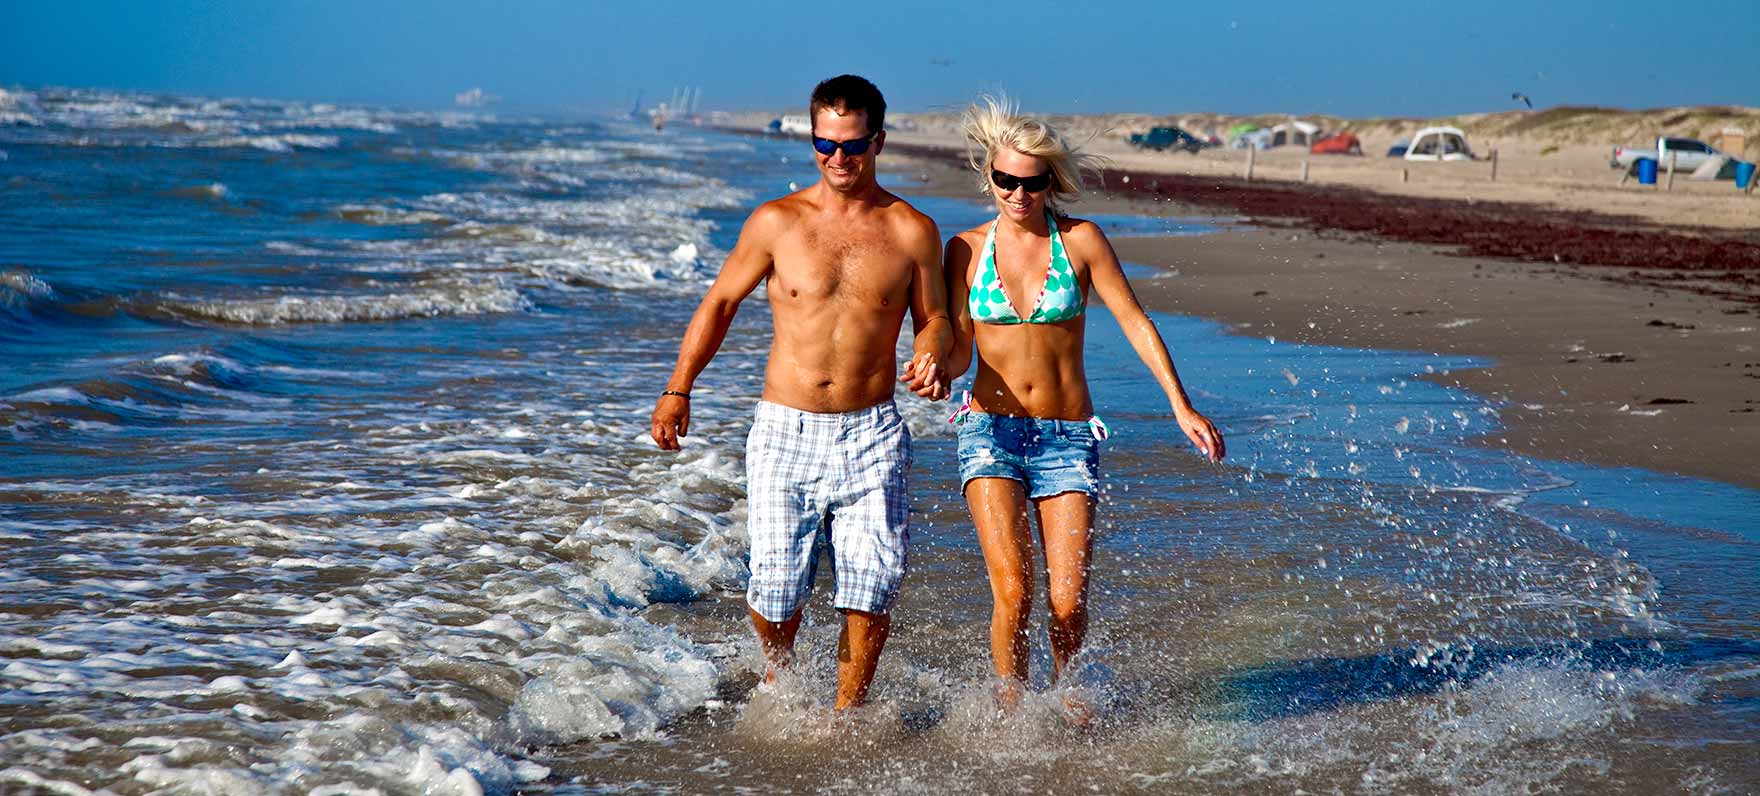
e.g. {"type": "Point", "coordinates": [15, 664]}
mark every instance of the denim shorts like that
{"type": "Point", "coordinates": [1048, 457]}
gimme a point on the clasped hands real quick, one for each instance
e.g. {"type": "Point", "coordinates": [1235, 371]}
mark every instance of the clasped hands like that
{"type": "Point", "coordinates": [924, 376]}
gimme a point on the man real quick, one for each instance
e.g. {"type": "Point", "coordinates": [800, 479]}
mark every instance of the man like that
{"type": "Point", "coordinates": [844, 259]}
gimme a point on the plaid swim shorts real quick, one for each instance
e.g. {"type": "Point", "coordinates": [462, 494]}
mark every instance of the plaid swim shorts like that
{"type": "Point", "coordinates": [840, 477]}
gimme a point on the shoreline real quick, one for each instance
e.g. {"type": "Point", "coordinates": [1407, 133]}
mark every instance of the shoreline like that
{"type": "Point", "coordinates": [1583, 368]}
{"type": "Point", "coordinates": [1712, 261]}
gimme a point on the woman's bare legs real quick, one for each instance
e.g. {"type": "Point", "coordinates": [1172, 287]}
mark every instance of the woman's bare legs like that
{"type": "Point", "coordinates": [999, 511]}
{"type": "Point", "coordinates": [1066, 523]}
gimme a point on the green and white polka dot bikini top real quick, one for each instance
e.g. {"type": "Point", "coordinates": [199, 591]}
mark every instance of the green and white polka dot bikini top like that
{"type": "Point", "coordinates": [1060, 298]}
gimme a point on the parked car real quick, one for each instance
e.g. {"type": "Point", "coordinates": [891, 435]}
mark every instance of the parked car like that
{"type": "Point", "coordinates": [1689, 154]}
{"type": "Point", "coordinates": [1163, 138]}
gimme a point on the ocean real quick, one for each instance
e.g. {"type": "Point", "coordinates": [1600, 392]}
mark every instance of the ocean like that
{"type": "Point", "coordinates": [324, 469]}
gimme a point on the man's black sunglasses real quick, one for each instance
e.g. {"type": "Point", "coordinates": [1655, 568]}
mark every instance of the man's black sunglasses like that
{"type": "Point", "coordinates": [1006, 182]}
{"type": "Point", "coordinates": [852, 147]}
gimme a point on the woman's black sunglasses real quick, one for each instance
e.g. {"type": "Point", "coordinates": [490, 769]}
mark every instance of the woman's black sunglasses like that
{"type": "Point", "coordinates": [852, 147]}
{"type": "Point", "coordinates": [1006, 182]}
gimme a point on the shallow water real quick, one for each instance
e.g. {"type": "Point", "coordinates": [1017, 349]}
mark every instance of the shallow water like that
{"type": "Point", "coordinates": [324, 470]}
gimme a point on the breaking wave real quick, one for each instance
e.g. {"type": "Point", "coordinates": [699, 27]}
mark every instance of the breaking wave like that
{"type": "Point", "coordinates": [427, 301]}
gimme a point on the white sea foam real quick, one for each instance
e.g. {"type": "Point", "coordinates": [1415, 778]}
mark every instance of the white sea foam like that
{"type": "Point", "coordinates": [427, 301]}
{"type": "Point", "coordinates": [380, 215]}
{"type": "Point", "coordinates": [631, 242]}
{"type": "Point", "coordinates": [285, 142]}
{"type": "Point", "coordinates": [287, 247]}
{"type": "Point", "coordinates": [66, 395]}
{"type": "Point", "coordinates": [152, 120]}
{"type": "Point", "coordinates": [20, 289]}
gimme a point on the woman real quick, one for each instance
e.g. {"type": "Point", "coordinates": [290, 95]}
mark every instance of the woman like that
{"type": "Point", "coordinates": [1028, 437]}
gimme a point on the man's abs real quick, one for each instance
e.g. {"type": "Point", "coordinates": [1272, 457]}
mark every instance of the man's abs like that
{"type": "Point", "coordinates": [843, 363]}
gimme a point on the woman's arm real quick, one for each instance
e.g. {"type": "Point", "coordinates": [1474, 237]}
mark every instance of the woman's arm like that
{"type": "Point", "coordinates": [958, 263]}
{"type": "Point", "coordinates": [1110, 284]}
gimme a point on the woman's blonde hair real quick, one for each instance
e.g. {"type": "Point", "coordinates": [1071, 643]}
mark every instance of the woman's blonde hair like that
{"type": "Point", "coordinates": [992, 123]}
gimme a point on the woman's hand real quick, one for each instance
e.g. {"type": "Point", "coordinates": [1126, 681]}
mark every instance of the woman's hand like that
{"type": "Point", "coordinates": [1202, 433]}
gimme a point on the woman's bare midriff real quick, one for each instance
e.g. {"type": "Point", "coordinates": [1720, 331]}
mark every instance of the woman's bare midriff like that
{"type": "Point", "coordinates": [1043, 366]}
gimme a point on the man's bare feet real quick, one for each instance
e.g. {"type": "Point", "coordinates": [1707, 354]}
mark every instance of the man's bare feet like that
{"type": "Point", "coordinates": [1078, 708]}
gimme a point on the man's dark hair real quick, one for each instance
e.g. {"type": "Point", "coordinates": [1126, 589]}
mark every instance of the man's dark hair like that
{"type": "Point", "coordinates": [848, 94]}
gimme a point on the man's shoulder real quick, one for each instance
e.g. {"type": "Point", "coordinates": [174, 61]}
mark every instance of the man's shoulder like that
{"type": "Point", "coordinates": [908, 220]}
{"type": "Point", "coordinates": [774, 215]}
{"type": "Point", "coordinates": [783, 206]}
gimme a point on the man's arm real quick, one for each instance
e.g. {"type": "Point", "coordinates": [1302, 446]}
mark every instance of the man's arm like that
{"type": "Point", "coordinates": [926, 373]}
{"type": "Point", "coordinates": [957, 263]}
{"type": "Point", "coordinates": [746, 266]}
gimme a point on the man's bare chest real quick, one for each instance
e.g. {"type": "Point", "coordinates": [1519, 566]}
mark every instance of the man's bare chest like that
{"type": "Point", "coordinates": [845, 266]}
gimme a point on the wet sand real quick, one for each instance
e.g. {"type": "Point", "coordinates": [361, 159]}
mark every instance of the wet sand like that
{"type": "Point", "coordinates": [1602, 363]}
{"type": "Point", "coordinates": [1589, 370]}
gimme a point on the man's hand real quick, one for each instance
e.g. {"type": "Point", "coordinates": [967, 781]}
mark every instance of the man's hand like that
{"type": "Point", "coordinates": [1202, 433]}
{"type": "Point", "coordinates": [925, 377]}
{"type": "Point", "coordinates": [671, 419]}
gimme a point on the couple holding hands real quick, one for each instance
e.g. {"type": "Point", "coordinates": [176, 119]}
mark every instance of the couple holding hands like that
{"type": "Point", "coordinates": [828, 452]}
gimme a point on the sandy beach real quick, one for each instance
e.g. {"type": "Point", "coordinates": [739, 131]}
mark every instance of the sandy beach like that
{"type": "Point", "coordinates": [1611, 366]}
{"type": "Point", "coordinates": [1557, 158]}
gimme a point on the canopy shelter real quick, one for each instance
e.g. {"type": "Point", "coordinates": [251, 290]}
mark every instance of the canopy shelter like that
{"type": "Point", "coordinates": [1295, 133]}
{"type": "Point", "coordinates": [1257, 139]}
{"type": "Point", "coordinates": [1719, 167]}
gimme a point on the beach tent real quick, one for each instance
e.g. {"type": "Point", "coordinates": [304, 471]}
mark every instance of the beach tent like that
{"type": "Point", "coordinates": [1337, 144]}
{"type": "Point", "coordinates": [1439, 143]}
{"type": "Point", "coordinates": [1259, 139]}
{"type": "Point", "coordinates": [1239, 129]}
{"type": "Point", "coordinates": [1294, 133]}
{"type": "Point", "coordinates": [1715, 168]}
{"type": "Point", "coordinates": [1398, 150]}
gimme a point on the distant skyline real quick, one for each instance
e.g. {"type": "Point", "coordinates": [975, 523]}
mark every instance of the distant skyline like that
{"type": "Point", "coordinates": [1367, 59]}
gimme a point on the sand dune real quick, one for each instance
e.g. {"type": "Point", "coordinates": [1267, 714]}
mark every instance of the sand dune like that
{"type": "Point", "coordinates": [1556, 157]}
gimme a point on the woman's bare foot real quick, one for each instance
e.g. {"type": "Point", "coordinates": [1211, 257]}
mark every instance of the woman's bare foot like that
{"type": "Point", "coordinates": [1009, 693]}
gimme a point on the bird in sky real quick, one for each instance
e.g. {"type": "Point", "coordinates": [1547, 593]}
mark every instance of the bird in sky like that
{"type": "Point", "coordinates": [1522, 98]}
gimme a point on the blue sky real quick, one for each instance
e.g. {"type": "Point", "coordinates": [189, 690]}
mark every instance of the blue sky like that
{"type": "Point", "coordinates": [1359, 58]}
